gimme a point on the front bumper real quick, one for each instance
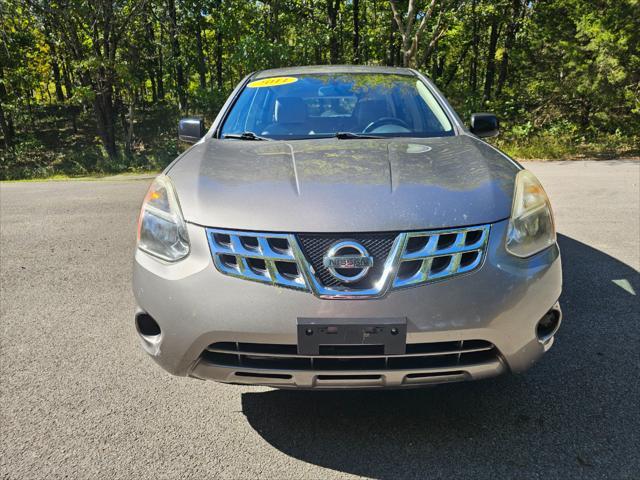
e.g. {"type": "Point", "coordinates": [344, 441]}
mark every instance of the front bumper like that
{"type": "Point", "coordinates": [195, 306]}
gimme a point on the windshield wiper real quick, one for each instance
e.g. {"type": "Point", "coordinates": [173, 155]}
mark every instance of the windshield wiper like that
{"type": "Point", "coordinates": [350, 135]}
{"type": "Point", "coordinates": [245, 136]}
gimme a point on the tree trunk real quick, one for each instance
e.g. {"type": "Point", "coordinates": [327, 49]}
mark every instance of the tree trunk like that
{"type": "Point", "coordinates": [406, 57]}
{"type": "Point", "coordinates": [175, 53]}
{"type": "Point", "coordinates": [154, 88]}
{"type": "Point", "coordinates": [512, 30]}
{"type": "Point", "coordinates": [219, 41]}
{"type": "Point", "coordinates": [127, 125]}
{"type": "Point", "coordinates": [454, 68]}
{"type": "Point", "coordinates": [104, 44]}
{"type": "Point", "coordinates": [333, 6]}
{"type": "Point", "coordinates": [491, 59]}
{"type": "Point", "coordinates": [6, 130]}
{"type": "Point", "coordinates": [105, 112]}
{"type": "Point", "coordinates": [441, 64]}
{"type": "Point", "coordinates": [392, 44]}
{"type": "Point", "coordinates": [410, 37]}
{"type": "Point", "coordinates": [356, 31]}
{"type": "Point", "coordinates": [202, 71]}
{"type": "Point", "coordinates": [219, 45]}
{"type": "Point", "coordinates": [363, 52]}
{"type": "Point", "coordinates": [68, 82]}
{"type": "Point", "coordinates": [105, 116]}
{"type": "Point", "coordinates": [150, 48]}
{"type": "Point", "coordinates": [273, 26]}
{"type": "Point", "coordinates": [160, 71]}
{"type": "Point", "coordinates": [55, 68]}
{"type": "Point", "coordinates": [473, 71]}
{"type": "Point", "coordinates": [437, 64]}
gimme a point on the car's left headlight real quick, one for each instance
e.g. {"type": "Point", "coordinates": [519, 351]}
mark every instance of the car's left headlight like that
{"type": "Point", "coordinates": [162, 231]}
{"type": "Point", "coordinates": [531, 227]}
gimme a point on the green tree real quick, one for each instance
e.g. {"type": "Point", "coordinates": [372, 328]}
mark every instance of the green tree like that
{"type": "Point", "coordinates": [563, 72]}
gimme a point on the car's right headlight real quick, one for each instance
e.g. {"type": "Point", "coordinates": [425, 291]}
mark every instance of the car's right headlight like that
{"type": "Point", "coordinates": [531, 227]}
{"type": "Point", "coordinates": [162, 231]}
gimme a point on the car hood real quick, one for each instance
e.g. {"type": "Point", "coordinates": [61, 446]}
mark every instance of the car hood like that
{"type": "Point", "coordinates": [331, 185]}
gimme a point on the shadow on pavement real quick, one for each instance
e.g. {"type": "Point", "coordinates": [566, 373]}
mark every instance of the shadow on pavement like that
{"type": "Point", "coordinates": [574, 414]}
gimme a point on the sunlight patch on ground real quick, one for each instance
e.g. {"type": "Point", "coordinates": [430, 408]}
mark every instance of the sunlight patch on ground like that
{"type": "Point", "coordinates": [625, 285]}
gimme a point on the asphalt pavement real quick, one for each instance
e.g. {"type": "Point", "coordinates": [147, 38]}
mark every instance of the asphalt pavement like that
{"type": "Point", "coordinates": [80, 399]}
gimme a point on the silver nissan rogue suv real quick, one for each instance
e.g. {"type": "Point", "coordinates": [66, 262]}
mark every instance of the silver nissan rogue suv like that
{"type": "Point", "coordinates": [339, 227]}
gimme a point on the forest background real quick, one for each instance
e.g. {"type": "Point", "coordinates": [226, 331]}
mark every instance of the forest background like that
{"type": "Point", "coordinates": [97, 86]}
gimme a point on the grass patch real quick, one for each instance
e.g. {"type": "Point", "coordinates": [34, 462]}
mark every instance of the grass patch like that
{"type": "Point", "coordinates": [549, 146]}
{"type": "Point", "coordinates": [59, 177]}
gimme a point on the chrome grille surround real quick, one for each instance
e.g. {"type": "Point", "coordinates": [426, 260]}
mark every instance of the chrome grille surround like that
{"type": "Point", "coordinates": [253, 256]}
{"type": "Point", "coordinates": [453, 253]}
{"type": "Point", "coordinates": [264, 251]}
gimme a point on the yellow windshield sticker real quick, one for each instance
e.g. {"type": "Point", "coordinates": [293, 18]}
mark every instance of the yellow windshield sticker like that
{"type": "Point", "coordinates": [272, 82]}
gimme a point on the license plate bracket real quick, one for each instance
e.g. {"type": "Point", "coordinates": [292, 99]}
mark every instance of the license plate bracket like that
{"type": "Point", "coordinates": [391, 333]}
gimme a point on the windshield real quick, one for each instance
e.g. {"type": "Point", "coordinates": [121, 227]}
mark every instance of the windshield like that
{"type": "Point", "coordinates": [312, 106]}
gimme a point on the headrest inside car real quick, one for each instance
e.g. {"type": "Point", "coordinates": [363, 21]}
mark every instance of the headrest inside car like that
{"type": "Point", "coordinates": [369, 110]}
{"type": "Point", "coordinates": [290, 110]}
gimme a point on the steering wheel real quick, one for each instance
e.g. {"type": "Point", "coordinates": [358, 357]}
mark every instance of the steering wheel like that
{"type": "Point", "coordinates": [385, 121]}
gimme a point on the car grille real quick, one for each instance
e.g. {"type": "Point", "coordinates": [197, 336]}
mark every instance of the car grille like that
{"type": "Point", "coordinates": [399, 259]}
{"type": "Point", "coordinates": [261, 257]}
{"type": "Point", "coordinates": [315, 247]}
{"type": "Point", "coordinates": [430, 256]}
{"type": "Point", "coordinates": [444, 355]}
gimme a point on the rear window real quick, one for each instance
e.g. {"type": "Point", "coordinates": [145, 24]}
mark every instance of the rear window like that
{"type": "Point", "coordinates": [311, 106]}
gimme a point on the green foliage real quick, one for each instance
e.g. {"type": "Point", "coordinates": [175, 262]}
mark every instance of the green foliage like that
{"type": "Point", "coordinates": [553, 146]}
{"type": "Point", "coordinates": [207, 101]}
{"type": "Point", "coordinates": [51, 147]}
{"type": "Point", "coordinates": [98, 86]}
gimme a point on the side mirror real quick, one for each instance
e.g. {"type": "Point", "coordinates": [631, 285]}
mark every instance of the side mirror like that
{"type": "Point", "coordinates": [484, 124]}
{"type": "Point", "coordinates": [191, 129]}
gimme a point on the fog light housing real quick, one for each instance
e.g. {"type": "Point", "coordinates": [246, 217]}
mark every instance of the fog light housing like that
{"type": "Point", "coordinates": [146, 325]}
{"type": "Point", "coordinates": [548, 325]}
{"type": "Point", "coordinates": [150, 333]}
